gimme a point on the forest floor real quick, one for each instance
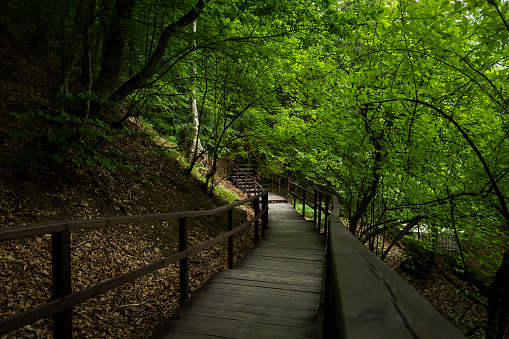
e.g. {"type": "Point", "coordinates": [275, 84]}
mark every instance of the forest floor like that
{"type": "Point", "coordinates": [35, 193]}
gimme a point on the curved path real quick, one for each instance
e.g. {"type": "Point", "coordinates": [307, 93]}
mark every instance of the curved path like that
{"type": "Point", "coordinates": [273, 292]}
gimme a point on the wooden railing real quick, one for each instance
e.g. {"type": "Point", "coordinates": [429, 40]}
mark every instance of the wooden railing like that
{"type": "Point", "coordinates": [251, 185]}
{"type": "Point", "coordinates": [364, 298]}
{"type": "Point", "coordinates": [63, 298]}
{"type": "Point", "coordinates": [321, 201]}
{"type": "Point", "coordinates": [361, 296]}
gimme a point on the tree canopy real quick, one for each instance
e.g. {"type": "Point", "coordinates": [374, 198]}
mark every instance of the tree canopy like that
{"type": "Point", "coordinates": [399, 107]}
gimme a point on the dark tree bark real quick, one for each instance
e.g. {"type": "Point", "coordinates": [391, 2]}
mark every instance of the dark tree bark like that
{"type": "Point", "coordinates": [84, 19]}
{"type": "Point", "coordinates": [150, 68]}
{"type": "Point", "coordinates": [113, 49]}
{"type": "Point", "coordinates": [370, 193]}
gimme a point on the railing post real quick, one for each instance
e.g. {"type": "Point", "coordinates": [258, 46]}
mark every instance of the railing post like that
{"type": "Point", "coordinates": [184, 264]}
{"type": "Point", "coordinates": [272, 183]}
{"type": "Point", "coordinates": [294, 196]}
{"type": "Point", "coordinates": [279, 185]}
{"type": "Point", "coordinates": [287, 187]}
{"type": "Point", "coordinates": [303, 202]}
{"type": "Point", "coordinates": [327, 219]}
{"type": "Point", "coordinates": [319, 211]}
{"type": "Point", "coordinates": [230, 238]}
{"type": "Point", "coordinates": [315, 202]}
{"type": "Point", "coordinates": [256, 207]}
{"type": "Point", "coordinates": [265, 218]}
{"type": "Point", "coordinates": [61, 268]}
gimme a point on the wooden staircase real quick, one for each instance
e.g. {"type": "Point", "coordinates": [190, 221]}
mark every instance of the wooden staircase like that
{"type": "Point", "coordinates": [244, 178]}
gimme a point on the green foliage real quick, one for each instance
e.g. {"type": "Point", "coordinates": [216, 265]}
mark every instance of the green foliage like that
{"type": "Point", "coordinates": [225, 194]}
{"type": "Point", "coordinates": [419, 256]}
{"type": "Point", "coordinates": [61, 137]}
{"type": "Point", "coordinates": [308, 212]}
{"type": "Point", "coordinates": [16, 133]}
{"type": "Point", "coordinates": [400, 107]}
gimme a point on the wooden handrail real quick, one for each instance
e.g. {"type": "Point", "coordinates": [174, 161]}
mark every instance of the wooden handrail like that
{"type": "Point", "coordinates": [25, 231]}
{"type": "Point", "coordinates": [365, 298]}
{"type": "Point", "coordinates": [319, 197]}
{"type": "Point", "coordinates": [61, 307]}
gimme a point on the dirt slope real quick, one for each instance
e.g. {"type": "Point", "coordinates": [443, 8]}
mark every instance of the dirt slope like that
{"type": "Point", "coordinates": [44, 190]}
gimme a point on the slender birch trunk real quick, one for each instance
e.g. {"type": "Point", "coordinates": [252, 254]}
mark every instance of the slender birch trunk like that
{"type": "Point", "coordinates": [195, 147]}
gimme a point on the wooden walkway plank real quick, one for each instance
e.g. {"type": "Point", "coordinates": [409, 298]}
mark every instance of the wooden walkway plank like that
{"type": "Point", "coordinates": [225, 305]}
{"type": "Point", "coordinates": [252, 317]}
{"type": "Point", "coordinates": [231, 328]}
{"type": "Point", "coordinates": [274, 292]}
{"type": "Point", "coordinates": [274, 198]}
{"type": "Point", "coordinates": [303, 270]}
{"type": "Point", "coordinates": [264, 301]}
{"type": "Point", "coordinates": [282, 282]}
{"type": "Point", "coordinates": [254, 258]}
{"type": "Point", "coordinates": [263, 275]}
{"type": "Point", "coordinates": [255, 290]}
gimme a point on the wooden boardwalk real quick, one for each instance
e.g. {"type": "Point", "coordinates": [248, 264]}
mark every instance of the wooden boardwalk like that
{"type": "Point", "coordinates": [274, 292]}
{"type": "Point", "coordinates": [274, 198]}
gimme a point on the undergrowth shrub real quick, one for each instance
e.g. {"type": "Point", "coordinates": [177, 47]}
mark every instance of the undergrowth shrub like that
{"type": "Point", "coordinates": [419, 256]}
{"type": "Point", "coordinates": [61, 136]}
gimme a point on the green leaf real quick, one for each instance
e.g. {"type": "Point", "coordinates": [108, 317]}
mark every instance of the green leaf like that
{"type": "Point", "coordinates": [16, 133]}
{"type": "Point", "coordinates": [445, 4]}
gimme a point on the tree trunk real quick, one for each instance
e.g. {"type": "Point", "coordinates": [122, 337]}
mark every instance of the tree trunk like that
{"type": "Point", "coordinates": [194, 146]}
{"type": "Point", "coordinates": [366, 199]}
{"type": "Point", "coordinates": [369, 194]}
{"type": "Point", "coordinates": [498, 299]}
{"type": "Point", "coordinates": [84, 19]}
{"type": "Point", "coordinates": [113, 49]}
{"type": "Point", "coordinates": [209, 178]}
{"type": "Point", "coordinates": [150, 68]}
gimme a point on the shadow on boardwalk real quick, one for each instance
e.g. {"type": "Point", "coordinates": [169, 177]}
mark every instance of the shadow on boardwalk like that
{"type": "Point", "coordinates": [274, 292]}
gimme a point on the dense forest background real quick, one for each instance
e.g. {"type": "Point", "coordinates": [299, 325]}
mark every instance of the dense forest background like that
{"type": "Point", "coordinates": [399, 107]}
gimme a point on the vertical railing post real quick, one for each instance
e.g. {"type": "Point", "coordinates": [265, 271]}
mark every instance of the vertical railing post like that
{"type": "Point", "coordinates": [287, 187]}
{"type": "Point", "coordinates": [61, 268]}
{"type": "Point", "coordinates": [294, 196]}
{"type": "Point", "coordinates": [272, 183]}
{"type": "Point", "coordinates": [265, 218]}
{"type": "Point", "coordinates": [230, 238]}
{"type": "Point", "coordinates": [319, 211]}
{"type": "Point", "coordinates": [256, 207]}
{"type": "Point", "coordinates": [303, 202]}
{"type": "Point", "coordinates": [184, 264]}
{"type": "Point", "coordinates": [279, 185]}
{"type": "Point", "coordinates": [315, 202]}
{"type": "Point", "coordinates": [325, 226]}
